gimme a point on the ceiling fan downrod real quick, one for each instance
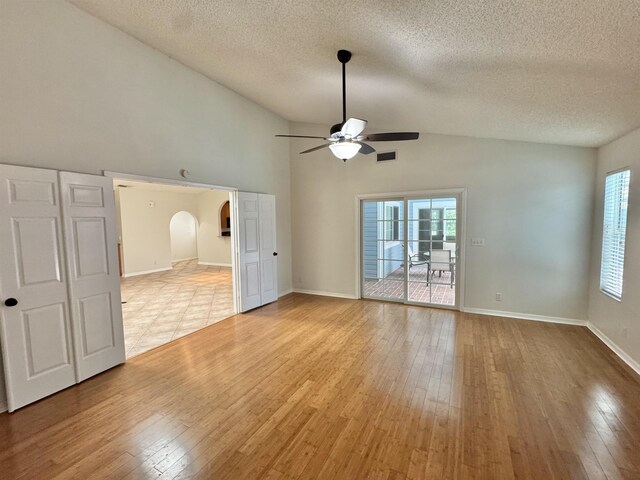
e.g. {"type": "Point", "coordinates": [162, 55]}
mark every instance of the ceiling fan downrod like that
{"type": "Point", "coordinates": [343, 56]}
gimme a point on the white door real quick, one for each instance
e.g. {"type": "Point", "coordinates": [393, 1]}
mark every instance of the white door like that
{"type": "Point", "coordinates": [88, 210]}
{"type": "Point", "coordinates": [248, 248]}
{"type": "Point", "coordinates": [268, 251]}
{"type": "Point", "coordinates": [36, 332]}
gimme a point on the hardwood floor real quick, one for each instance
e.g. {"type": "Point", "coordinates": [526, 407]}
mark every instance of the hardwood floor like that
{"type": "Point", "coordinates": [316, 387]}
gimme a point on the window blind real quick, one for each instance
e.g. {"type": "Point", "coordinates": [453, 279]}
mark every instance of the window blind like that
{"type": "Point", "coordinates": [616, 199]}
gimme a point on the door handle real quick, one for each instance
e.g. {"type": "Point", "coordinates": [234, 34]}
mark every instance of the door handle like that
{"type": "Point", "coordinates": [275, 254]}
{"type": "Point", "coordinates": [10, 302]}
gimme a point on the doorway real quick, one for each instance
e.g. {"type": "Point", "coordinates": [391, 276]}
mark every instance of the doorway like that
{"type": "Point", "coordinates": [176, 260]}
{"type": "Point", "coordinates": [410, 249]}
{"type": "Point", "coordinates": [183, 233]}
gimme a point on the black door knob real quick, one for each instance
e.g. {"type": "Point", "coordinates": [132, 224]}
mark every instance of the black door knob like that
{"type": "Point", "coordinates": [275, 254]}
{"type": "Point", "coordinates": [10, 302]}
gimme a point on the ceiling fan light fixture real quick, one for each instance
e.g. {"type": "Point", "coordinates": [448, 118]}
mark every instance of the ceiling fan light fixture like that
{"type": "Point", "coordinates": [345, 150]}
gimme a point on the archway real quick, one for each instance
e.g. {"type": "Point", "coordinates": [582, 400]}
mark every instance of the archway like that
{"type": "Point", "coordinates": [183, 230]}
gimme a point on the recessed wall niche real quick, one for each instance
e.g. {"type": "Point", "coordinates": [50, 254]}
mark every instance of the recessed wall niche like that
{"type": "Point", "coordinates": [225, 220]}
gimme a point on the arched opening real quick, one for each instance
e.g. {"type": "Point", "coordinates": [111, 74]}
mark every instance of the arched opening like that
{"type": "Point", "coordinates": [225, 219]}
{"type": "Point", "coordinates": [183, 229]}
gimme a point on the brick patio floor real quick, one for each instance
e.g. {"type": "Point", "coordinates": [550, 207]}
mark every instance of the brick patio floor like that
{"type": "Point", "coordinates": [438, 291]}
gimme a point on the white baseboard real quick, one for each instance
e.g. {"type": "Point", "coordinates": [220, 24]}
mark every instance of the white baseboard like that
{"type": "Point", "coordinates": [615, 348]}
{"type": "Point", "coordinates": [325, 294]}
{"type": "Point", "coordinates": [626, 358]}
{"type": "Point", "coordinates": [183, 259]}
{"type": "Point", "coordinates": [211, 264]}
{"type": "Point", "coordinates": [526, 316]}
{"type": "Point", "coordinates": [286, 292]}
{"type": "Point", "coordinates": [145, 272]}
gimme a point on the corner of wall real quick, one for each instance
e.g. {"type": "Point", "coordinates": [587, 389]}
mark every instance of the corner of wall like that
{"type": "Point", "coordinates": [614, 322]}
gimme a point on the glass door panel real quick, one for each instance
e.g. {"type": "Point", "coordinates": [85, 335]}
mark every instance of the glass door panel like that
{"type": "Point", "coordinates": [383, 249]}
{"type": "Point", "coordinates": [416, 266]}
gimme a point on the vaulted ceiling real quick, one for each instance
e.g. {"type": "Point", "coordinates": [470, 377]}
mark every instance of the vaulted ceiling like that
{"type": "Point", "coordinates": [552, 71]}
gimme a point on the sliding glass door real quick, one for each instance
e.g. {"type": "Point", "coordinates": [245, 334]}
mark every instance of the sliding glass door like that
{"type": "Point", "coordinates": [409, 249]}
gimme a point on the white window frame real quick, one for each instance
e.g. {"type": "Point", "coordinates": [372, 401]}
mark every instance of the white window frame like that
{"type": "Point", "coordinates": [614, 231]}
{"type": "Point", "coordinates": [391, 223]}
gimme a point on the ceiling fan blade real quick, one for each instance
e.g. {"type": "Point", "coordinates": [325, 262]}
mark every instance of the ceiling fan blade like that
{"type": "Point", "coordinates": [392, 137]}
{"type": "Point", "coordinates": [315, 148]}
{"type": "Point", "coordinates": [365, 149]}
{"type": "Point", "coordinates": [353, 127]}
{"type": "Point", "coordinates": [299, 136]}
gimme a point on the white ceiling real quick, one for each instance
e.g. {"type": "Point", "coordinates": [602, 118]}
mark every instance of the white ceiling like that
{"type": "Point", "coordinates": [553, 71]}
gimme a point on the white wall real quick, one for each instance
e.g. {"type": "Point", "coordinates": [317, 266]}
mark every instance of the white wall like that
{"type": "Point", "coordinates": [619, 321]}
{"type": "Point", "coordinates": [146, 242]}
{"type": "Point", "coordinates": [77, 94]}
{"type": "Point", "coordinates": [183, 230]}
{"type": "Point", "coordinates": [145, 231]}
{"type": "Point", "coordinates": [532, 203]}
{"type": "Point", "coordinates": [212, 248]}
{"type": "Point", "coordinates": [80, 95]}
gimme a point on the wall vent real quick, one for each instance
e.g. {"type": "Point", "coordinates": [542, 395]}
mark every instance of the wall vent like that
{"type": "Point", "coordinates": [387, 156]}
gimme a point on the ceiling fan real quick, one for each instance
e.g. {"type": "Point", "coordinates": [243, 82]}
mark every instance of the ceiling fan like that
{"type": "Point", "coordinates": [345, 138]}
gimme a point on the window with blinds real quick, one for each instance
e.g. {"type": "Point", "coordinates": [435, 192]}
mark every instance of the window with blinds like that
{"type": "Point", "coordinates": [616, 199]}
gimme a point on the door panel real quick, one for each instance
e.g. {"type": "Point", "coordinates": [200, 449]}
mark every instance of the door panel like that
{"type": "Point", "coordinates": [248, 251]}
{"type": "Point", "coordinates": [45, 326]}
{"type": "Point", "coordinates": [25, 192]}
{"type": "Point", "coordinates": [251, 235]}
{"type": "Point", "coordinates": [268, 251]}
{"type": "Point", "coordinates": [383, 249]}
{"type": "Point", "coordinates": [88, 208]}
{"type": "Point", "coordinates": [30, 236]}
{"type": "Point", "coordinates": [95, 322]}
{"type": "Point", "coordinates": [36, 333]}
{"type": "Point", "coordinates": [90, 238]}
{"type": "Point", "coordinates": [253, 279]}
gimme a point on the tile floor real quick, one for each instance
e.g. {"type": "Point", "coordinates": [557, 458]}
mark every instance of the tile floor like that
{"type": "Point", "coordinates": [163, 306]}
{"type": "Point", "coordinates": [438, 291]}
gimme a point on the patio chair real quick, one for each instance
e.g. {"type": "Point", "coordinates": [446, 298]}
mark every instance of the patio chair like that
{"type": "Point", "coordinates": [440, 261]}
{"type": "Point", "coordinates": [450, 246]}
{"type": "Point", "coordinates": [416, 259]}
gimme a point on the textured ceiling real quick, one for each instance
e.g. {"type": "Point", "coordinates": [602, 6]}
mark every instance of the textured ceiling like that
{"type": "Point", "coordinates": [553, 71]}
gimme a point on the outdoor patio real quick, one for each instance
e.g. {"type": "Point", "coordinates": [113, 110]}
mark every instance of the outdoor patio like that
{"type": "Point", "coordinates": [439, 291]}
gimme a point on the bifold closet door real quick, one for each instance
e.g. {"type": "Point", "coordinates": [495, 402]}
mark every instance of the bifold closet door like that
{"type": "Point", "coordinates": [88, 211]}
{"type": "Point", "coordinates": [268, 250]}
{"type": "Point", "coordinates": [34, 315]}
{"type": "Point", "coordinates": [248, 247]}
{"type": "Point", "coordinates": [257, 264]}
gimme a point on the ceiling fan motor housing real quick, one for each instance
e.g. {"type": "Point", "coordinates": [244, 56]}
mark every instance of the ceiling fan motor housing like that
{"type": "Point", "coordinates": [344, 56]}
{"type": "Point", "coordinates": [336, 128]}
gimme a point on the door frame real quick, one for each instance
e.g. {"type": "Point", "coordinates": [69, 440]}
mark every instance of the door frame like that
{"type": "Point", "coordinates": [186, 183]}
{"type": "Point", "coordinates": [460, 193]}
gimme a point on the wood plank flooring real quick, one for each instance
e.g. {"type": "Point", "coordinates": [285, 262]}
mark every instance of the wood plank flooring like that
{"type": "Point", "coordinates": [316, 387]}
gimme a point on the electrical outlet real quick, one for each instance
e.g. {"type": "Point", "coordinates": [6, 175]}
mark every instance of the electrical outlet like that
{"type": "Point", "coordinates": [498, 297]}
{"type": "Point", "coordinates": [477, 242]}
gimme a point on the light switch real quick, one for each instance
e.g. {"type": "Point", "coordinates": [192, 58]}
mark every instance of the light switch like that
{"type": "Point", "coordinates": [477, 242]}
